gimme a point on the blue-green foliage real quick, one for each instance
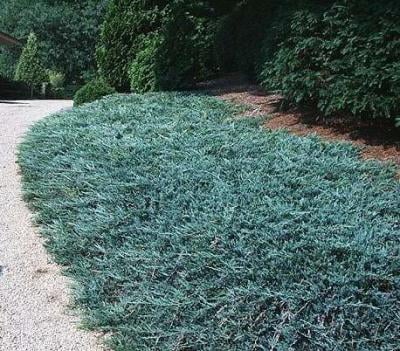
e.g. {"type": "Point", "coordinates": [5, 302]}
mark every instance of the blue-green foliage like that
{"type": "Point", "coordinates": [187, 229]}
{"type": "Point", "coordinates": [344, 61]}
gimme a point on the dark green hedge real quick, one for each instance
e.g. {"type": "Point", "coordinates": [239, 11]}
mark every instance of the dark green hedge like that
{"type": "Point", "coordinates": [343, 61]}
{"type": "Point", "coordinates": [142, 70]}
{"type": "Point", "coordinates": [10, 89]}
{"type": "Point", "coordinates": [129, 54]}
{"type": "Point", "coordinates": [92, 91]}
{"type": "Point", "coordinates": [341, 57]}
{"type": "Point", "coordinates": [185, 54]}
{"type": "Point", "coordinates": [127, 22]}
{"type": "Point", "coordinates": [240, 35]}
{"type": "Point", "coordinates": [252, 31]}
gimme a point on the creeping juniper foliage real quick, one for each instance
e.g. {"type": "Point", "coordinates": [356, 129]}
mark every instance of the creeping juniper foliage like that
{"type": "Point", "coordinates": [187, 229]}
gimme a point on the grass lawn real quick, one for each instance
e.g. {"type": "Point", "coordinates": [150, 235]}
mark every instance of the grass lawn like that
{"type": "Point", "coordinates": [187, 229]}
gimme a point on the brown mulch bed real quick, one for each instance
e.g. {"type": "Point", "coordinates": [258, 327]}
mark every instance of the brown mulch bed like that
{"type": "Point", "coordinates": [379, 141]}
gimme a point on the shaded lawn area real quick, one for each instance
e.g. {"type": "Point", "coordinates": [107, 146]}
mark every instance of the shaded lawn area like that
{"type": "Point", "coordinates": [187, 229]}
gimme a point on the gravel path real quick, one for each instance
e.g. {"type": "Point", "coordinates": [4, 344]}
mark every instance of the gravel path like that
{"type": "Point", "coordinates": [34, 296]}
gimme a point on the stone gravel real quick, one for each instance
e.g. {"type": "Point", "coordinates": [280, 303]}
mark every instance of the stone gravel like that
{"type": "Point", "coordinates": [34, 296]}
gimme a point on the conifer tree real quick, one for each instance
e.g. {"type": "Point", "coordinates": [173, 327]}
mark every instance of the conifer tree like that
{"type": "Point", "coordinates": [29, 68]}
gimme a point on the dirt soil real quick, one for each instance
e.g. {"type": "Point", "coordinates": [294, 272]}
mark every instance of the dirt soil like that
{"type": "Point", "coordinates": [380, 141]}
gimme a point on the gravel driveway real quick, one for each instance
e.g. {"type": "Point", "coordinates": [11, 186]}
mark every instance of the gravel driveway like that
{"type": "Point", "coordinates": [33, 295]}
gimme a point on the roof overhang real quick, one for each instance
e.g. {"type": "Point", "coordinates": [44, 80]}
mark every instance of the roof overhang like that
{"type": "Point", "coordinates": [6, 39]}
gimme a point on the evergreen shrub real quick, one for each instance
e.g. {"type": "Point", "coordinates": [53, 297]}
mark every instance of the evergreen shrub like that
{"type": "Point", "coordinates": [126, 25]}
{"type": "Point", "coordinates": [142, 73]}
{"type": "Point", "coordinates": [30, 69]}
{"type": "Point", "coordinates": [56, 79]}
{"type": "Point", "coordinates": [185, 54]}
{"type": "Point", "coordinates": [92, 91]}
{"type": "Point", "coordinates": [156, 45]}
{"type": "Point", "coordinates": [343, 61]}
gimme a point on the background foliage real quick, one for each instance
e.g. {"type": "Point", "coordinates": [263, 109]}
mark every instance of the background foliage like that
{"type": "Point", "coordinates": [123, 36]}
{"type": "Point", "coordinates": [67, 31]}
{"type": "Point", "coordinates": [185, 54]}
{"type": "Point", "coordinates": [142, 71]}
{"type": "Point", "coordinates": [344, 60]}
{"type": "Point", "coordinates": [156, 45]}
{"type": "Point", "coordinates": [92, 91]}
{"type": "Point", "coordinates": [340, 56]}
{"type": "Point", "coordinates": [253, 29]}
{"type": "Point", "coordinates": [30, 69]}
